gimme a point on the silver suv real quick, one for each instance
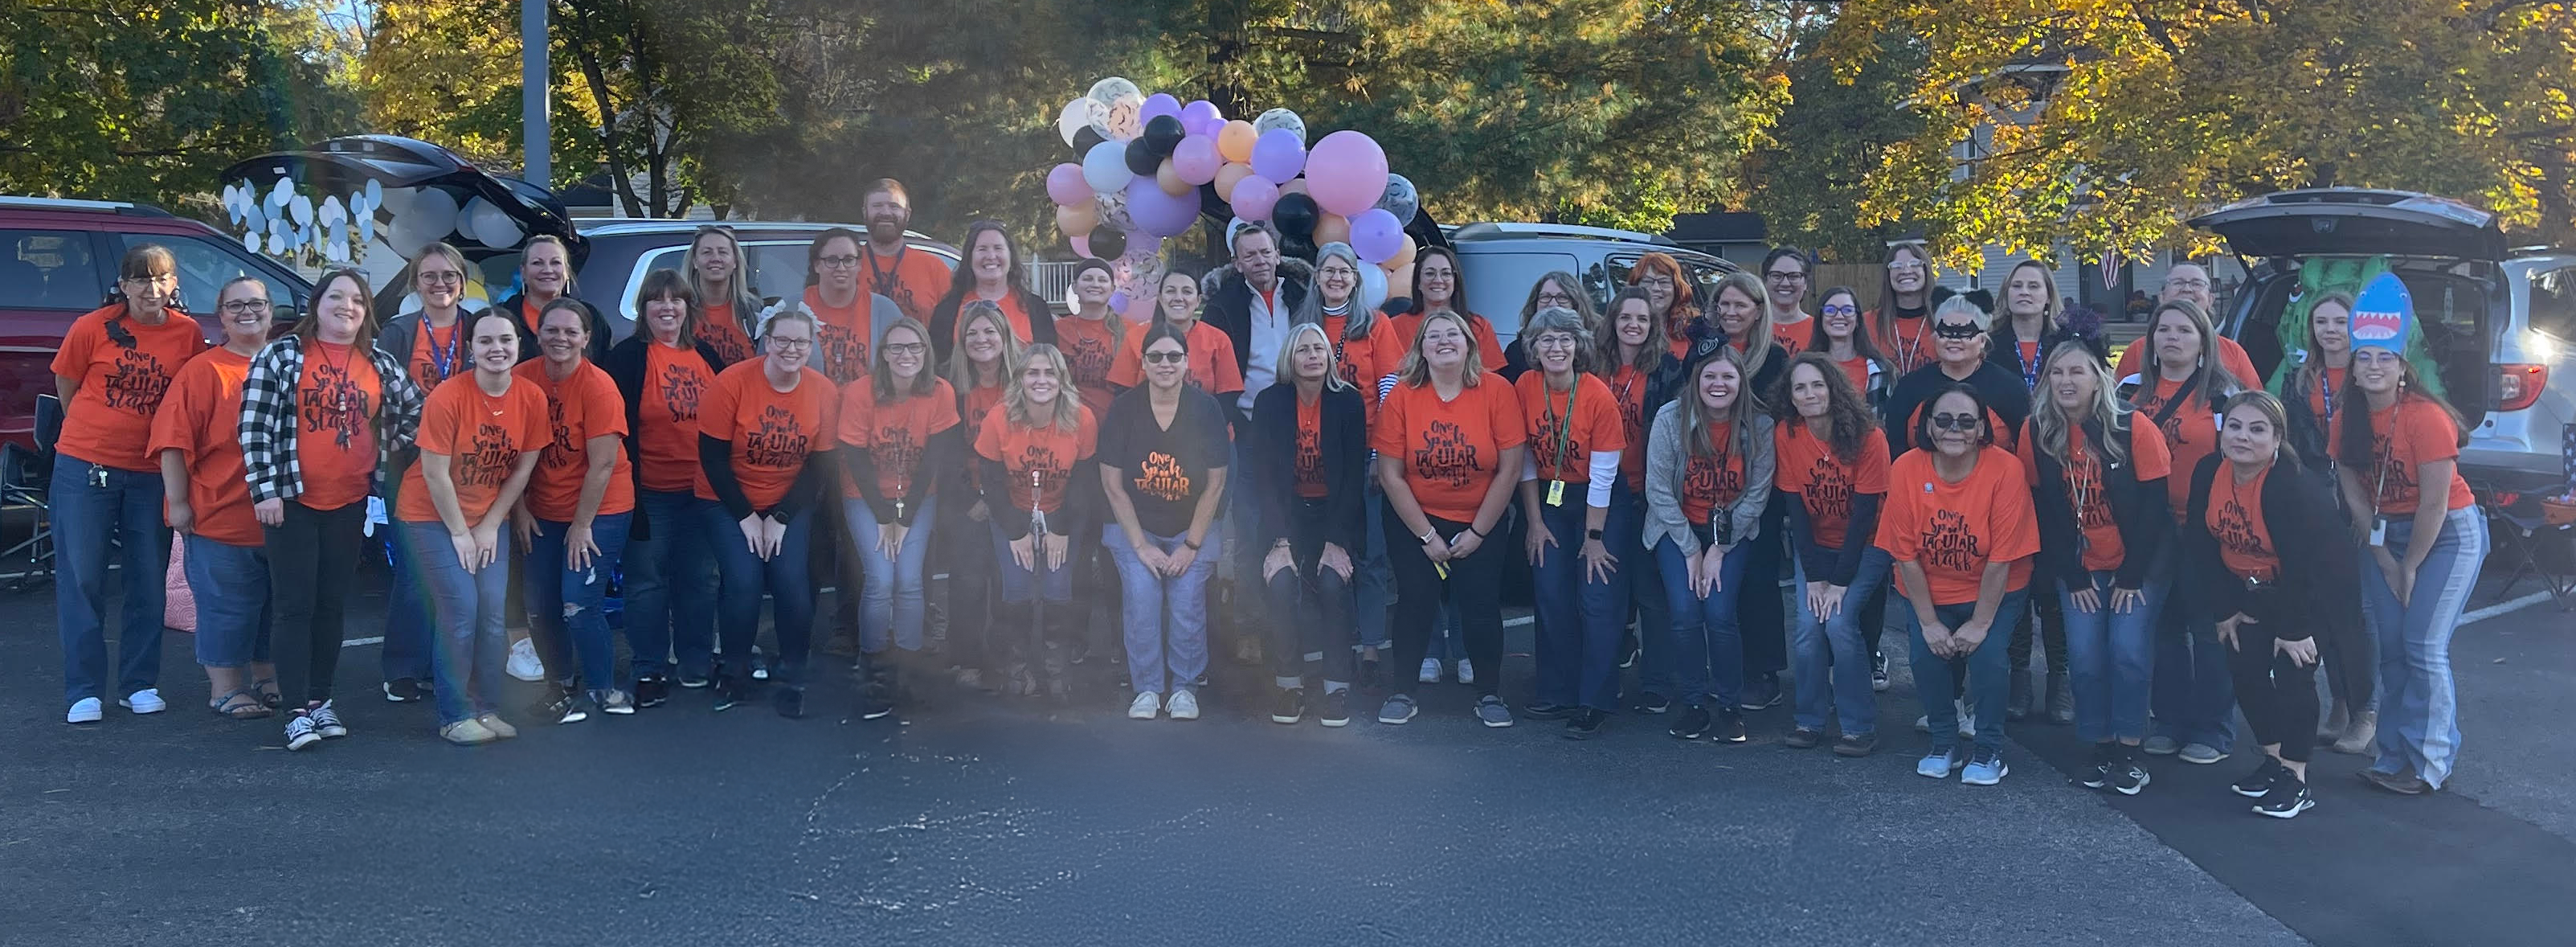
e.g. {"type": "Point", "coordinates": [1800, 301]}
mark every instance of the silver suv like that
{"type": "Point", "coordinates": [1500, 262]}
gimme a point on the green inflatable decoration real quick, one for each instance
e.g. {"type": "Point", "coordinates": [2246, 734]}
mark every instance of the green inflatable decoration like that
{"type": "Point", "coordinates": [2319, 276]}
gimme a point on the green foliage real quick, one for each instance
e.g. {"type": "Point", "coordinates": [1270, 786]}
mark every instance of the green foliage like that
{"type": "Point", "coordinates": [1842, 121]}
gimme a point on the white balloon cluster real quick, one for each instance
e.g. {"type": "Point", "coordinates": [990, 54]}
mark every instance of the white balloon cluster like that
{"type": "Point", "coordinates": [280, 221]}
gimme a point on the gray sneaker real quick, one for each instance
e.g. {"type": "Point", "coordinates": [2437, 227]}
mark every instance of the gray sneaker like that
{"type": "Point", "coordinates": [1399, 709]}
{"type": "Point", "coordinates": [327, 722]}
{"type": "Point", "coordinates": [2160, 746]}
{"type": "Point", "coordinates": [2201, 754]}
{"type": "Point", "coordinates": [1491, 710]}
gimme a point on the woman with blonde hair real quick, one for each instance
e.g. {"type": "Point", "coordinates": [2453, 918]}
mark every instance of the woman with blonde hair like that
{"type": "Point", "coordinates": [728, 305]}
{"type": "Point", "coordinates": [986, 358]}
{"type": "Point", "coordinates": [1315, 426]}
{"type": "Point", "coordinates": [1035, 451]}
{"type": "Point", "coordinates": [899, 427]}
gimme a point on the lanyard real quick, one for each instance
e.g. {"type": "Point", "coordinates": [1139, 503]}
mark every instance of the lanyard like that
{"type": "Point", "coordinates": [2325, 396]}
{"type": "Point", "coordinates": [1564, 423]}
{"type": "Point", "coordinates": [442, 355]}
{"type": "Point", "coordinates": [878, 278]}
{"type": "Point", "coordinates": [1909, 352]}
{"type": "Point", "coordinates": [2030, 368]}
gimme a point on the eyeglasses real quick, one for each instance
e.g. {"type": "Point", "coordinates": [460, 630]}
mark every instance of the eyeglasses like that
{"type": "Point", "coordinates": [1954, 330]}
{"type": "Point", "coordinates": [841, 262]}
{"type": "Point", "coordinates": [1337, 270]}
{"type": "Point", "coordinates": [2188, 283]}
{"type": "Point", "coordinates": [246, 306]}
{"type": "Point", "coordinates": [1904, 266]}
{"type": "Point", "coordinates": [1787, 277]}
{"type": "Point", "coordinates": [1553, 340]}
{"type": "Point", "coordinates": [1655, 280]}
{"type": "Point", "coordinates": [1167, 357]}
{"type": "Point", "coordinates": [905, 348]}
{"type": "Point", "coordinates": [1556, 299]}
{"type": "Point", "coordinates": [788, 345]}
{"type": "Point", "coordinates": [441, 277]}
{"type": "Point", "coordinates": [1840, 310]}
{"type": "Point", "coordinates": [1956, 422]}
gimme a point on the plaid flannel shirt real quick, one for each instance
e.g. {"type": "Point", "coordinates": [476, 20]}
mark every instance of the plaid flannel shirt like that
{"type": "Point", "coordinates": [268, 419]}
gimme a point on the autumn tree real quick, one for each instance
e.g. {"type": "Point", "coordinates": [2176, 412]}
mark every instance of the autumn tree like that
{"type": "Point", "coordinates": [1810, 178]}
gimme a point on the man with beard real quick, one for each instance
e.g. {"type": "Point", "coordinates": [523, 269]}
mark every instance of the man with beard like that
{"type": "Point", "coordinates": [913, 282]}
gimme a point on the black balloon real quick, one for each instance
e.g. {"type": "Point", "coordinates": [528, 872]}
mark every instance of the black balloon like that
{"type": "Point", "coordinates": [1108, 243]}
{"type": "Point", "coordinates": [1165, 133]}
{"type": "Point", "coordinates": [1142, 159]}
{"type": "Point", "coordinates": [1295, 214]}
{"type": "Point", "coordinates": [1083, 140]}
{"type": "Point", "coordinates": [1297, 248]}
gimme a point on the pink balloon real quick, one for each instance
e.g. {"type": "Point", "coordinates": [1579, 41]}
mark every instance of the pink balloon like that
{"type": "Point", "coordinates": [1202, 117]}
{"type": "Point", "coordinates": [1254, 197]}
{"type": "Point", "coordinates": [1196, 159]}
{"type": "Point", "coordinates": [1081, 245]}
{"type": "Point", "coordinates": [1346, 173]}
{"type": "Point", "coordinates": [1278, 155]}
{"type": "Point", "coordinates": [1159, 103]}
{"type": "Point", "coordinates": [1065, 185]}
{"type": "Point", "coordinates": [1375, 235]}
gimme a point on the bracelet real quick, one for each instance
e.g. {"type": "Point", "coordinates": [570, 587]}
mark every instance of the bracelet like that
{"type": "Point", "coordinates": [1427, 536]}
{"type": "Point", "coordinates": [1471, 527]}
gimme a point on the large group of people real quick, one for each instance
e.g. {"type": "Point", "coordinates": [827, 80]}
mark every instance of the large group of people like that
{"type": "Point", "coordinates": [1703, 481]}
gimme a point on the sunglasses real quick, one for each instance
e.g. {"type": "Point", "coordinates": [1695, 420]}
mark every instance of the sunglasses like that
{"type": "Point", "coordinates": [1167, 358]}
{"type": "Point", "coordinates": [1956, 422]}
{"type": "Point", "coordinates": [1955, 330]}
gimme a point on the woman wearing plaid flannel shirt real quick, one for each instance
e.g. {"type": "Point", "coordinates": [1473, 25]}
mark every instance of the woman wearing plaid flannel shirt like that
{"type": "Point", "coordinates": [320, 410]}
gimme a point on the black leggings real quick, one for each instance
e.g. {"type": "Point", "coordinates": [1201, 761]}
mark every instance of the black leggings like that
{"type": "Point", "coordinates": [312, 565]}
{"type": "Point", "coordinates": [964, 548]}
{"type": "Point", "coordinates": [1760, 611]}
{"type": "Point", "coordinates": [1474, 585]}
{"type": "Point", "coordinates": [2278, 695]}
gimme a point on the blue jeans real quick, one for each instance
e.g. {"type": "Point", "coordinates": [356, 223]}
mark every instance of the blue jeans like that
{"type": "Point", "coordinates": [1376, 579]}
{"type": "Point", "coordinates": [231, 587]}
{"type": "Point", "coordinates": [786, 578]}
{"type": "Point", "coordinates": [1989, 672]}
{"type": "Point", "coordinates": [128, 511]}
{"type": "Point", "coordinates": [2194, 694]}
{"type": "Point", "coordinates": [2110, 659]}
{"type": "Point", "coordinates": [407, 647]}
{"type": "Point", "coordinates": [2419, 719]}
{"type": "Point", "coordinates": [1625, 534]}
{"type": "Point", "coordinates": [670, 587]}
{"type": "Point", "coordinates": [1579, 619]}
{"type": "Point", "coordinates": [565, 608]}
{"type": "Point", "coordinates": [1705, 640]}
{"type": "Point", "coordinates": [890, 596]}
{"type": "Point", "coordinates": [471, 643]}
{"type": "Point", "coordinates": [1162, 656]}
{"type": "Point", "coordinates": [1053, 585]}
{"type": "Point", "coordinates": [1830, 656]}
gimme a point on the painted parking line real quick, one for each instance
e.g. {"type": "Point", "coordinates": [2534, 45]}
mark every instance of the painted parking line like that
{"type": "Point", "coordinates": [2507, 607]}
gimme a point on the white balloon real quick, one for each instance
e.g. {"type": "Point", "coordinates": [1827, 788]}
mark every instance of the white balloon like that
{"type": "Point", "coordinates": [367, 229]}
{"type": "Point", "coordinates": [492, 224]}
{"type": "Point", "coordinates": [433, 212]}
{"type": "Point", "coordinates": [276, 243]}
{"type": "Point", "coordinates": [375, 192]}
{"type": "Point", "coordinates": [1077, 115]}
{"type": "Point", "coordinates": [1372, 286]}
{"type": "Point", "coordinates": [467, 217]}
{"type": "Point", "coordinates": [250, 241]}
{"type": "Point", "coordinates": [393, 200]}
{"type": "Point", "coordinates": [253, 219]}
{"type": "Point", "coordinates": [302, 206]}
{"type": "Point", "coordinates": [332, 212]}
{"type": "Point", "coordinates": [1280, 118]}
{"type": "Point", "coordinates": [1105, 167]}
{"type": "Point", "coordinates": [278, 195]}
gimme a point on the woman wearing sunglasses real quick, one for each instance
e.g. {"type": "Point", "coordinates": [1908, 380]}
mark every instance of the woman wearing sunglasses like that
{"type": "Point", "coordinates": [1958, 344]}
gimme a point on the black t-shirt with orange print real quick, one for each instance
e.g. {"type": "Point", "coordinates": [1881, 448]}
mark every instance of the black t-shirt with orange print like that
{"type": "Point", "coordinates": [1164, 470]}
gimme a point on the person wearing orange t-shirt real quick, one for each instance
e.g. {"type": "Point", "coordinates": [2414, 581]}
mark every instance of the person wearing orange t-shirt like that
{"type": "Point", "coordinates": [1709, 473]}
{"type": "Point", "coordinates": [1901, 329]}
{"type": "Point", "coordinates": [913, 281]}
{"type": "Point", "coordinates": [1436, 287]}
{"type": "Point", "coordinates": [1641, 373]}
{"type": "Point", "coordinates": [2311, 394]}
{"type": "Point", "coordinates": [206, 495]}
{"type": "Point", "coordinates": [572, 522]}
{"type": "Point", "coordinates": [481, 435]}
{"type": "Point", "coordinates": [2179, 392]}
{"type": "Point", "coordinates": [662, 373]}
{"type": "Point", "coordinates": [1959, 526]}
{"type": "Point", "coordinates": [1832, 478]}
{"type": "Point", "coordinates": [2097, 468]}
{"type": "Point", "coordinates": [1449, 440]}
{"type": "Point", "coordinates": [900, 436]}
{"type": "Point", "coordinates": [1211, 367]}
{"type": "Point", "coordinates": [1784, 281]}
{"type": "Point", "coordinates": [111, 371]}
{"type": "Point", "coordinates": [2397, 452]}
{"type": "Point", "coordinates": [1034, 450]}
{"type": "Point", "coordinates": [1669, 291]}
{"type": "Point", "coordinates": [433, 343]}
{"type": "Point", "coordinates": [545, 275]}
{"type": "Point", "coordinates": [1312, 424]}
{"type": "Point", "coordinates": [767, 432]}
{"type": "Point", "coordinates": [2261, 545]}
{"type": "Point", "coordinates": [323, 410]}
{"type": "Point", "coordinates": [992, 274]}
{"type": "Point", "coordinates": [1576, 436]}
{"type": "Point", "coordinates": [728, 305]}
{"type": "Point", "coordinates": [1093, 336]}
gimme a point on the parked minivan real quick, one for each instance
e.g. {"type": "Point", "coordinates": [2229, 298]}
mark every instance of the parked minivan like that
{"type": "Point", "coordinates": [2497, 321]}
{"type": "Point", "coordinates": [1499, 262]}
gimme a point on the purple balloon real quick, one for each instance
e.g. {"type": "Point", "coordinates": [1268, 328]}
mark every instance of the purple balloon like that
{"type": "Point", "coordinates": [1375, 235]}
{"type": "Point", "coordinates": [1254, 197]}
{"type": "Point", "coordinates": [1158, 213]}
{"type": "Point", "coordinates": [1202, 117]}
{"type": "Point", "coordinates": [1196, 159]}
{"type": "Point", "coordinates": [1278, 155]}
{"type": "Point", "coordinates": [1065, 185]}
{"type": "Point", "coordinates": [1347, 173]}
{"type": "Point", "coordinates": [1159, 103]}
{"type": "Point", "coordinates": [1118, 301]}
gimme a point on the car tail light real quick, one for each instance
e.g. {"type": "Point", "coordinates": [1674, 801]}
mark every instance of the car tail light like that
{"type": "Point", "coordinates": [2518, 386]}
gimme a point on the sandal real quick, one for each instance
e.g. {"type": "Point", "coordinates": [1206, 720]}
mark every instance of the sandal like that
{"type": "Point", "coordinates": [242, 704]}
{"type": "Point", "coordinates": [268, 696]}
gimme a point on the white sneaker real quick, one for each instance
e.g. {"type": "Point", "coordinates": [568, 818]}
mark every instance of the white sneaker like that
{"type": "Point", "coordinates": [523, 661]}
{"type": "Point", "coordinates": [84, 710]}
{"type": "Point", "coordinates": [1466, 672]}
{"type": "Point", "coordinates": [1430, 671]}
{"type": "Point", "coordinates": [145, 701]}
{"type": "Point", "coordinates": [1146, 705]}
{"type": "Point", "coordinates": [1184, 706]}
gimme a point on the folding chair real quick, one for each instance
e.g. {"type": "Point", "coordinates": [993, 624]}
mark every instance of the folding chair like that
{"type": "Point", "coordinates": [2533, 527]}
{"type": "Point", "coordinates": [26, 478]}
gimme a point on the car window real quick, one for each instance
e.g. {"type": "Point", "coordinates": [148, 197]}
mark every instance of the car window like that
{"type": "Point", "coordinates": [1498, 283]}
{"type": "Point", "coordinates": [204, 268]}
{"type": "Point", "coordinates": [48, 269]}
{"type": "Point", "coordinates": [2553, 302]}
{"type": "Point", "coordinates": [778, 268]}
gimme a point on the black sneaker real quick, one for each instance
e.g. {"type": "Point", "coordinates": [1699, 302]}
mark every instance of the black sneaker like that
{"type": "Point", "coordinates": [2098, 774]}
{"type": "Point", "coordinates": [1693, 723]}
{"type": "Point", "coordinates": [1584, 723]}
{"type": "Point", "coordinates": [405, 690]}
{"type": "Point", "coordinates": [1652, 704]}
{"type": "Point", "coordinates": [1730, 727]}
{"type": "Point", "coordinates": [652, 691]}
{"type": "Point", "coordinates": [1288, 706]}
{"type": "Point", "coordinates": [1542, 710]}
{"type": "Point", "coordinates": [1628, 655]}
{"type": "Point", "coordinates": [2286, 799]}
{"type": "Point", "coordinates": [790, 702]}
{"type": "Point", "coordinates": [872, 704]}
{"type": "Point", "coordinates": [1856, 746]}
{"type": "Point", "coordinates": [690, 681]}
{"type": "Point", "coordinates": [1801, 738]}
{"type": "Point", "coordinates": [2127, 777]}
{"type": "Point", "coordinates": [1760, 693]}
{"type": "Point", "coordinates": [561, 705]}
{"type": "Point", "coordinates": [2258, 783]}
{"type": "Point", "coordinates": [1878, 671]}
{"type": "Point", "coordinates": [1335, 711]}
{"type": "Point", "coordinates": [728, 693]}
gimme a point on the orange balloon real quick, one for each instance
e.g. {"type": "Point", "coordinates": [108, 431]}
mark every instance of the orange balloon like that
{"type": "Point", "coordinates": [1332, 228]}
{"type": "Point", "coordinates": [1399, 280]}
{"type": "Point", "coordinates": [1229, 175]}
{"type": "Point", "coordinates": [1402, 260]}
{"type": "Point", "coordinates": [1235, 140]}
{"type": "Point", "coordinates": [1079, 220]}
{"type": "Point", "coordinates": [1295, 186]}
{"type": "Point", "coordinates": [1170, 180]}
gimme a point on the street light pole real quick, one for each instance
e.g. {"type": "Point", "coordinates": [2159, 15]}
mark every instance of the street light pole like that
{"type": "Point", "coordinates": [533, 100]}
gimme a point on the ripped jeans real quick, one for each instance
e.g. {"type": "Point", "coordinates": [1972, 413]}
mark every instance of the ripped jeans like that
{"type": "Point", "coordinates": [564, 605]}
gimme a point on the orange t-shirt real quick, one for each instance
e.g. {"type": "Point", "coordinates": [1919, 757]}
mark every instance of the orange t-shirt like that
{"type": "Point", "coordinates": [2320, 398]}
{"type": "Point", "coordinates": [894, 435]}
{"type": "Point", "coordinates": [840, 336]}
{"type": "Point", "coordinates": [1953, 530]}
{"type": "Point", "coordinates": [980, 402]}
{"type": "Point", "coordinates": [1310, 448]}
{"type": "Point", "coordinates": [666, 441]}
{"type": "Point", "coordinates": [1090, 350]}
{"type": "Point", "coordinates": [1012, 312]}
{"type": "Point", "coordinates": [720, 330]}
{"type": "Point", "coordinates": [772, 431]}
{"type": "Point", "coordinates": [1713, 479]}
{"type": "Point", "coordinates": [1045, 453]}
{"type": "Point", "coordinates": [335, 437]}
{"type": "Point", "coordinates": [579, 408]}
{"type": "Point", "coordinates": [1586, 419]}
{"type": "Point", "coordinates": [484, 434]}
{"type": "Point", "coordinates": [1824, 483]}
{"type": "Point", "coordinates": [428, 344]}
{"type": "Point", "coordinates": [2190, 434]}
{"type": "Point", "coordinates": [2147, 460]}
{"type": "Point", "coordinates": [200, 418]}
{"type": "Point", "coordinates": [1489, 347]}
{"type": "Point", "coordinates": [1906, 343]}
{"type": "Point", "coordinates": [532, 314]}
{"type": "Point", "coordinates": [1212, 367]}
{"type": "Point", "coordinates": [1628, 387]}
{"type": "Point", "coordinates": [2231, 356]}
{"type": "Point", "coordinates": [1856, 368]}
{"type": "Point", "coordinates": [2404, 437]}
{"type": "Point", "coordinates": [2236, 521]}
{"type": "Point", "coordinates": [1792, 336]}
{"type": "Point", "coordinates": [124, 367]}
{"type": "Point", "coordinates": [915, 281]}
{"type": "Point", "coordinates": [1451, 450]}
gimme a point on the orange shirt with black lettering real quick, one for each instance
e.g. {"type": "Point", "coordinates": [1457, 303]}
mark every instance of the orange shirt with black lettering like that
{"type": "Point", "coordinates": [1582, 420]}
{"type": "Point", "coordinates": [200, 418]}
{"type": "Point", "coordinates": [578, 408]}
{"type": "Point", "coordinates": [1367, 359]}
{"type": "Point", "coordinates": [1908, 343]}
{"type": "Point", "coordinates": [2191, 433]}
{"type": "Point", "coordinates": [124, 367]}
{"type": "Point", "coordinates": [2148, 459]}
{"type": "Point", "coordinates": [2404, 437]}
{"type": "Point", "coordinates": [840, 336]}
{"type": "Point", "coordinates": [483, 435]}
{"type": "Point", "coordinates": [1043, 453]}
{"type": "Point", "coordinates": [980, 401]}
{"type": "Point", "coordinates": [335, 434]}
{"type": "Point", "coordinates": [1628, 387]}
{"type": "Point", "coordinates": [1825, 484]}
{"type": "Point", "coordinates": [428, 344]}
{"type": "Point", "coordinates": [666, 439]}
{"type": "Point", "coordinates": [1451, 450]}
{"type": "Point", "coordinates": [1489, 347]}
{"type": "Point", "coordinates": [2231, 356]}
{"type": "Point", "coordinates": [719, 329]}
{"type": "Point", "coordinates": [915, 281]}
{"type": "Point", "coordinates": [772, 431]}
{"type": "Point", "coordinates": [2236, 521]}
{"type": "Point", "coordinates": [1792, 336]}
{"type": "Point", "coordinates": [1310, 448]}
{"type": "Point", "coordinates": [1212, 367]}
{"type": "Point", "coordinates": [1090, 349]}
{"type": "Point", "coordinates": [1712, 479]}
{"type": "Point", "coordinates": [895, 434]}
{"type": "Point", "coordinates": [1953, 530]}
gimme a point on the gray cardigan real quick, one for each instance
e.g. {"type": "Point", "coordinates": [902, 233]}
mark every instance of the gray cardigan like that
{"type": "Point", "coordinates": [1665, 460]}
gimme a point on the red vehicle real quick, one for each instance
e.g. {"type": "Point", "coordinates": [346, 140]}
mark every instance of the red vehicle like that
{"type": "Point", "coordinates": [58, 260]}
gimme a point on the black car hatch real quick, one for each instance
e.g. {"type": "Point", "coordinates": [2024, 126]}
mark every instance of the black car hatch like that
{"type": "Point", "coordinates": [2356, 222]}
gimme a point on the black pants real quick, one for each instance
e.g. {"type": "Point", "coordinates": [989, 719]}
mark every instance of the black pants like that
{"type": "Point", "coordinates": [1760, 611]}
{"type": "Point", "coordinates": [1310, 620]}
{"type": "Point", "coordinates": [964, 549]}
{"type": "Point", "coordinates": [2043, 612]}
{"type": "Point", "coordinates": [1474, 585]}
{"type": "Point", "coordinates": [312, 565]}
{"type": "Point", "coordinates": [2279, 696]}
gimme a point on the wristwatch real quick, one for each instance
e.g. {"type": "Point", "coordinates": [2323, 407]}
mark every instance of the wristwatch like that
{"type": "Point", "coordinates": [1592, 534]}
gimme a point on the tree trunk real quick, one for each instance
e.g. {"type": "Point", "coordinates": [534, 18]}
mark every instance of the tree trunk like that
{"type": "Point", "coordinates": [586, 51]}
